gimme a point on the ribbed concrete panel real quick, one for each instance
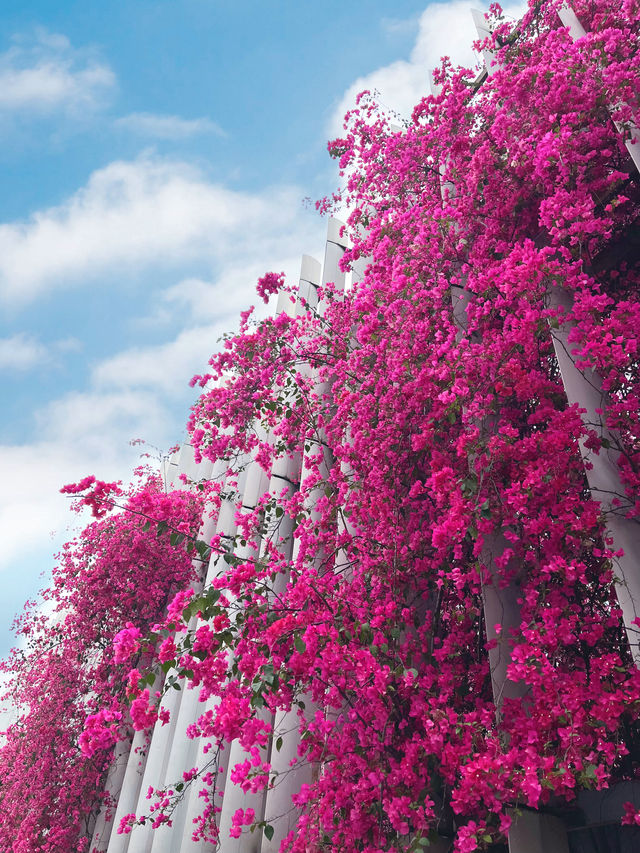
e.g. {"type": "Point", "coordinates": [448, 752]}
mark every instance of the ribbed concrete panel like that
{"type": "Point", "coordinates": [113, 786]}
{"type": "Point", "coordinates": [119, 842]}
{"type": "Point", "coordinates": [584, 389]}
{"type": "Point", "coordinates": [577, 31]}
{"type": "Point", "coordinates": [254, 483]}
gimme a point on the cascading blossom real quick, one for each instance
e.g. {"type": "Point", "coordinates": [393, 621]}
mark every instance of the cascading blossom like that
{"type": "Point", "coordinates": [69, 683]}
{"type": "Point", "coordinates": [125, 643]}
{"type": "Point", "coordinates": [433, 459]}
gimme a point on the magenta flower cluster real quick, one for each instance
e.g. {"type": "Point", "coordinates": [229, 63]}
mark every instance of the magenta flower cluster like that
{"type": "Point", "coordinates": [433, 459]}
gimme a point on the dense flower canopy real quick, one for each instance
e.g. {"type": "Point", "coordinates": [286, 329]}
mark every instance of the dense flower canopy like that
{"type": "Point", "coordinates": [52, 772]}
{"type": "Point", "coordinates": [434, 464]}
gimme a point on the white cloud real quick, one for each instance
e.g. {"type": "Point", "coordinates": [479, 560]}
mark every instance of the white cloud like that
{"type": "Point", "coordinates": [165, 367]}
{"type": "Point", "coordinates": [21, 352]}
{"type": "Point", "coordinates": [168, 367]}
{"type": "Point", "coordinates": [444, 29]}
{"type": "Point", "coordinates": [46, 74]}
{"type": "Point", "coordinates": [81, 433]}
{"type": "Point", "coordinates": [168, 126]}
{"type": "Point", "coordinates": [398, 26]}
{"type": "Point", "coordinates": [144, 213]}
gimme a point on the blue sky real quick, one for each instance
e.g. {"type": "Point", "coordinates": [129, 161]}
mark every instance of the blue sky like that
{"type": "Point", "coordinates": [154, 158]}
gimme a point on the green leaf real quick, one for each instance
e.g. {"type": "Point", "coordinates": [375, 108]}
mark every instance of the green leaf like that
{"type": "Point", "coordinates": [268, 832]}
{"type": "Point", "coordinates": [279, 744]}
{"type": "Point", "coordinates": [203, 549]}
{"type": "Point", "coordinates": [212, 595]}
{"type": "Point", "coordinates": [268, 674]}
{"type": "Point", "coordinates": [300, 644]}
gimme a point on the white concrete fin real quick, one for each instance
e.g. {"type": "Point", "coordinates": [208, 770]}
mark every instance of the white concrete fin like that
{"type": "Point", "coordinates": [310, 270]}
{"type": "Point", "coordinates": [481, 24]}
{"type": "Point", "coordinates": [570, 20]}
{"type": "Point", "coordinates": [632, 132]}
{"type": "Point", "coordinates": [170, 470]}
{"type": "Point", "coordinates": [358, 269]}
{"type": "Point", "coordinates": [280, 811]}
{"type": "Point", "coordinates": [334, 250]}
{"type": "Point", "coordinates": [484, 32]}
{"type": "Point", "coordinates": [334, 227]}
{"type": "Point", "coordinates": [119, 842]}
{"type": "Point", "coordinates": [584, 389]}
{"type": "Point", "coordinates": [436, 88]}
{"type": "Point", "coordinates": [190, 468]}
{"type": "Point", "coordinates": [257, 484]}
{"type": "Point", "coordinates": [113, 786]}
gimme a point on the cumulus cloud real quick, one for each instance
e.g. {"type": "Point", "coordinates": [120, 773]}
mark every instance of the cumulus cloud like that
{"type": "Point", "coordinates": [164, 366]}
{"type": "Point", "coordinates": [46, 74]}
{"type": "Point", "coordinates": [146, 213]}
{"type": "Point", "coordinates": [167, 367]}
{"type": "Point", "coordinates": [78, 434]}
{"type": "Point", "coordinates": [137, 214]}
{"type": "Point", "coordinates": [167, 126]}
{"type": "Point", "coordinates": [21, 352]}
{"type": "Point", "coordinates": [443, 29]}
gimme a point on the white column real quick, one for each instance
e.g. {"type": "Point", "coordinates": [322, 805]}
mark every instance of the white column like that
{"type": "Point", "coordinates": [482, 28]}
{"type": "Point", "coordinates": [159, 749]}
{"type": "Point", "coordinates": [577, 31]}
{"type": "Point", "coordinates": [500, 607]}
{"type": "Point", "coordinates": [119, 842]}
{"type": "Point", "coordinates": [170, 470]}
{"type": "Point", "coordinates": [113, 787]}
{"type": "Point", "coordinates": [255, 486]}
{"type": "Point", "coordinates": [161, 744]}
{"type": "Point", "coordinates": [584, 389]}
{"type": "Point", "coordinates": [334, 250]}
{"type": "Point", "coordinates": [501, 610]}
{"type": "Point", "coordinates": [278, 806]}
{"type": "Point", "coordinates": [137, 777]}
{"type": "Point", "coordinates": [184, 750]}
{"type": "Point", "coordinates": [307, 288]}
{"type": "Point", "coordinates": [284, 474]}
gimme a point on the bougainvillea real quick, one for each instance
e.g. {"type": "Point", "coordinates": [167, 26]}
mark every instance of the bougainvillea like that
{"type": "Point", "coordinates": [441, 458]}
{"type": "Point", "coordinates": [433, 460]}
{"type": "Point", "coordinates": [64, 681]}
